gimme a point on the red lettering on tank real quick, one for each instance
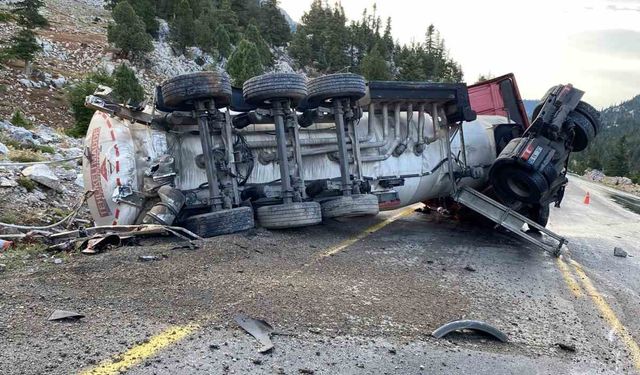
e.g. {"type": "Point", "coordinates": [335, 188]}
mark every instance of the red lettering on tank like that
{"type": "Point", "coordinates": [95, 172]}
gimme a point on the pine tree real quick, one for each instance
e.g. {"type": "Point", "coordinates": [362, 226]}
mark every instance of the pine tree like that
{"type": "Point", "coordinates": [409, 61]}
{"type": "Point", "coordinates": [76, 95]}
{"type": "Point", "coordinates": [128, 32]}
{"type": "Point", "coordinates": [387, 40]}
{"type": "Point", "coordinates": [202, 36]}
{"type": "Point", "coordinates": [273, 25]}
{"type": "Point", "coordinates": [22, 46]}
{"type": "Point", "coordinates": [252, 34]}
{"type": "Point", "coordinates": [300, 47]}
{"type": "Point", "coordinates": [126, 88]}
{"type": "Point", "coordinates": [146, 10]}
{"type": "Point", "coordinates": [618, 163]}
{"type": "Point", "coordinates": [244, 62]}
{"type": "Point", "coordinates": [225, 15]}
{"type": "Point", "coordinates": [182, 27]}
{"type": "Point", "coordinates": [222, 41]}
{"type": "Point", "coordinates": [374, 67]}
{"type": "Point", "coordinates": [323, 38]}
{"type": "Point", "coordinates": [28, 12]}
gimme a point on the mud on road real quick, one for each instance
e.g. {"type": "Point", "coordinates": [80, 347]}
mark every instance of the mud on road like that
{"type": "Point", "coordinates": [368, 308]}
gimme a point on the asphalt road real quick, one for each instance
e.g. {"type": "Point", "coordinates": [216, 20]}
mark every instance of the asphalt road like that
{"type": "Point", "coordinates": [358, 296]}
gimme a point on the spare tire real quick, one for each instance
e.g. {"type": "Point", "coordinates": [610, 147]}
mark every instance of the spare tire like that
{"type": "Point", "coordinates": [188, 88]}
{"type": "Point", "coordinates": [260, 90]}
{"type": "Point", "coordinates": [334, 86]}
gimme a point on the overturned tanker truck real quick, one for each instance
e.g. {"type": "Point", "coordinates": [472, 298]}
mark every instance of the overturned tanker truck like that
{"type": "Point", "coordinates": [290, 152]}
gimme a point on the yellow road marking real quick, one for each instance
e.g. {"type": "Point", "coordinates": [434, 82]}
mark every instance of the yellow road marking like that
{"type": "Point", "coordinates": [141, 352]}
{"type": "Point", "coordinates": [372, 229]}
{"type": "Point", "coordinates": [609, 315]}
{"type": "Point", "coordinates": [574, 287]}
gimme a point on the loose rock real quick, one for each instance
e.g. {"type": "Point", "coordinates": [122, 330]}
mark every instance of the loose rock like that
{"type": "Point", "coordinates": [42, 174]}
{"type": "Point", "coordinates": [620, 252]}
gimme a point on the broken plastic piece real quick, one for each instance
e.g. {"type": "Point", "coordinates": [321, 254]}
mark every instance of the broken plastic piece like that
{"type": "Point", "coordinates": [4, 245]}
{"type": "Point", "coordinates": [259, 329]}
{"type": "Point", "coordinates": [65, 315]}
{"type": "Point", "coordinates": [469, 324]}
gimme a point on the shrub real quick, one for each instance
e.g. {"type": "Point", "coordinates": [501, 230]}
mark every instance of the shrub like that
{"type": "Point", "coordinates": [25, 156]}
{"type": "Point", "coordinates": [26, 183]}
{"type": "Point", "coordinates": [19, 119]}
{"type": "Point", "coordinates": [126, 87]}
{"type": "Point", "coordinates": [76, 96]}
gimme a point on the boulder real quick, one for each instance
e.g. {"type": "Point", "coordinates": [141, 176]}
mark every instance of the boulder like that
{"type": "Point", "coordinates": [42, 174]}
{"type": "Point", "coordinates": [25, 82]}
{"type": "Point", "coordinates": [3, 149]}
{"type": "Point", "coordinates": [59, 82]}
{"type": "Point", "coordinates": [7, 183]}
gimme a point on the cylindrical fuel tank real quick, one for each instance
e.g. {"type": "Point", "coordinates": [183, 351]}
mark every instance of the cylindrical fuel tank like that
{"type": "Point", "coordinates": [119, 152]}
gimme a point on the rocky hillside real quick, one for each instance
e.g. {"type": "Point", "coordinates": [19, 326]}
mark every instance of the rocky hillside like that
{"type": "Point", "coordinates": [616, 148]}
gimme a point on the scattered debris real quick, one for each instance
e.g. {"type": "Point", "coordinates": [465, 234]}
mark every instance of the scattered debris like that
{"type": "Point", "coordinates": [475, 325]}
{"type": "Point", "coordinates": [98, 243]}
{"type": "Point", "coordinates": [151, 258]}
{"type": "Point", "coordinates": [65, 315]}
{"type": "Point", "coordinates": [57, 261]}
{"type": "Point", "coordinates": [257, 328]}
{"type": "Point", "coordinates": [392, 351]}
{"type": "Point", "coordinates": [4, 245]}
{"type": "Point", "coordinates": [3, 267]}
{"type": "Point", "coordinates": [620, 252]}
{"type": "Point", "coordinates": [470, 268]}
{"type": "Point", "coordinates": [188, 246]}
{"type": "Point", "coordinates": [306, 371]}
{"type": "Point", "coordinates": [567, 347]}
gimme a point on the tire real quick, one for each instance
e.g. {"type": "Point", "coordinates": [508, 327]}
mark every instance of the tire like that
{"type": "Point", "coordinates": [290, 215]}
{"type": "Point", "coordinates": [591, 114]}
{"type": "Point", "coordinates": [260, 90]}
{"type": "Point", "coordinates": [334, 86]}
{"type": "Point", "coordinates": [584, 131]}
{"type": "Point", "coordinates": [355, 205]}
{"type": "Point", "coordinates": [187, 88]}
{"type": "Point", "coordinates": [220, 222]}
{"type": "Point", "coordinates": [514, 184]}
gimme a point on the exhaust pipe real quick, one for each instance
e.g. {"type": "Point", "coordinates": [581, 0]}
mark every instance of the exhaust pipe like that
{"type": "Point", "coordinates": [166, 211]}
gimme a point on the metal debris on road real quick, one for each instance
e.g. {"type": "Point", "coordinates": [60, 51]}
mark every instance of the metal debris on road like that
{"type": "Point", "coordinates": [65, 315]}
{"type": "Point", "coordinates": [257, 328]}
{"type": "Point", "coordinates": [567, 347]}
{"type": "Point", "coordinates": [151, 258]}
{"type": "Point", "coordinates": [475, 325]}
{"type": "Point", "coordinates": [620, 252]}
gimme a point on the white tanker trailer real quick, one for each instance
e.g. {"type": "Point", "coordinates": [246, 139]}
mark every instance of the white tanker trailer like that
{"type": "Point", "coordinates": [290, 152]}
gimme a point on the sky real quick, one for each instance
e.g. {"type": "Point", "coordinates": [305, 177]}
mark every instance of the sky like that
{"type": "Point", "coordinates": [593, 44]}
